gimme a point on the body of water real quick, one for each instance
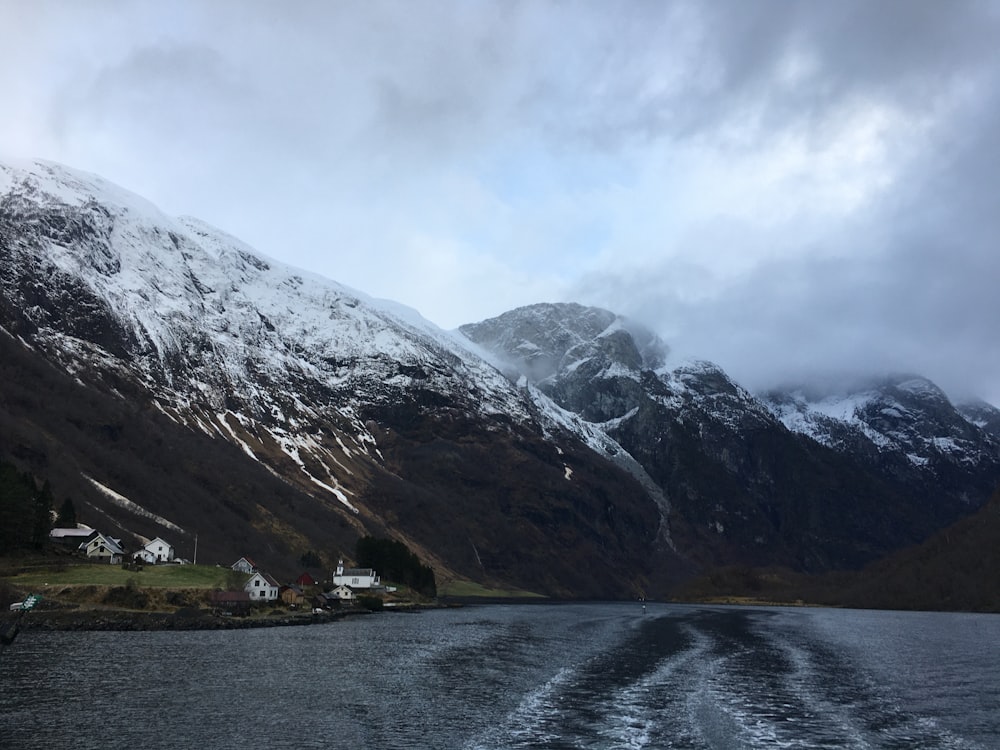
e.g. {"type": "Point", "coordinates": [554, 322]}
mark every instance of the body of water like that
{"type": "Point", "coordinates": [538, 676]}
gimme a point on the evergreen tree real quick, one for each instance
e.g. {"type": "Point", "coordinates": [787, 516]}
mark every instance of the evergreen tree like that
{"type": "Point", "coordinates": [15, 509]}
{"type": "Point", "coordinates": [25, 511]}
{"type": "Point", "coordinates": [41, 516]}
{"type": "Point", "coordinates": [394, 561]}
{"type": "Point", "coordinates": [66, 519]}
{"type": "Point", "coordinates": [310, 559]}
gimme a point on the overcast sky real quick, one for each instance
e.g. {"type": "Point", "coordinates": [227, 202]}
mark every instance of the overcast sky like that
{"type": "Point", "coordinates": [785, 188]}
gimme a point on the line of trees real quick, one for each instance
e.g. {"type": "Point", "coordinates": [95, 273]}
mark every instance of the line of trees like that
{"type": "Point", "coordinates": [394, 561]}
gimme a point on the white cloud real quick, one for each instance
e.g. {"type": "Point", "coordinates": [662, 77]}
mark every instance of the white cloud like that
{"type": "Point", "coordinates": [781, 186]}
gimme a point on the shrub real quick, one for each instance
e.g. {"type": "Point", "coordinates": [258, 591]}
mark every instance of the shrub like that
{"type": "Point", "coordinates": [371, 603]}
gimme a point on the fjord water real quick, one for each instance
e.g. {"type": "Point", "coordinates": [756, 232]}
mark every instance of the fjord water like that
{"type": "Point", "coordinates": [539, 676]}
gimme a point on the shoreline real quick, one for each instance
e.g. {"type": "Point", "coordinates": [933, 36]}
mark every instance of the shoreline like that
{"type": "Point", "coordinates": [183, 619]}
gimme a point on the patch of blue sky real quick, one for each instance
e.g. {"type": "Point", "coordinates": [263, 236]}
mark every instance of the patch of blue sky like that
{"type": "Point", "coordinates": [532, 173]}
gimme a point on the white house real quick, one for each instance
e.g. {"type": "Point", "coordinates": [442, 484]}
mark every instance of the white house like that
{"type": "Point", "coordinates": [244, 565]}
{"type": "Point", "coordinates": [103, 548]}
{"type": "Point", "coordinates": [356, 578]}
{"type": "Point", "coordinates": [155, 551]}
{"type": "Point", "coordinates": [261, 587]}
{"type": "Point", "coordinates": [344, 593]}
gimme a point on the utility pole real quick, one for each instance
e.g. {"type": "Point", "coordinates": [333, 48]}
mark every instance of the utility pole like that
{"type": "Point", "coordinates": [195, 548]}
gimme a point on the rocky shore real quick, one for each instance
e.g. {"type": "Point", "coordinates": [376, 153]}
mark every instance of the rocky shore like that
{"type": "Point", "coordinates": [182, 619]}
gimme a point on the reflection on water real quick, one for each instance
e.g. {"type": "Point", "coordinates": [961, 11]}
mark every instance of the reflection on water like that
{"type": "Point", "coordinates": [540, 676]}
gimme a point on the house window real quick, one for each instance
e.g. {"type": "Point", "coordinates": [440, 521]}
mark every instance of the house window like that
{"type": "Point", "coordinates": [257, 583]}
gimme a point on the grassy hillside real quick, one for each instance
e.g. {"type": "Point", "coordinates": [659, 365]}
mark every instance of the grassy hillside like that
{"type": "Point", "coordinates": [151, 576]}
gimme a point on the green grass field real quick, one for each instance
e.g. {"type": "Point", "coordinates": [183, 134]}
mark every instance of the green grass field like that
{"type": "Point", "coordinates": [151, 576]}
{"type": "Point", "coordinates": [186, 577]}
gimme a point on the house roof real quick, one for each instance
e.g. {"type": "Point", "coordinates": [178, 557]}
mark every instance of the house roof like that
{"type": "Point", "coordinates": [161, 540]}
{"type": "Point", "coordinates": [247, 560]}
{"type": "Point", "coordinates": [268, 578]}
{"type": "Point", "coordinates": [358, 572]}
{"type": "Point", "coordinates": [69, 533]}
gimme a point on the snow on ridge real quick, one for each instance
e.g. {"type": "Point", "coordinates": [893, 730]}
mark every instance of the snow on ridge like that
{"type": "Point", "coordinates": [843, 408]}
{"type": "Point", "coordinates": [134, 508]}
{"type": "Point", "coordinates": [921, 387]}
{"type": "Point", "coordinates": [71, 186]}
{"type": "Point", "coordinates": [172, 280]}
{"type": "Point", "coordinates": [291, 446]}
{"type": "Point", "coordinates": [232, 434]}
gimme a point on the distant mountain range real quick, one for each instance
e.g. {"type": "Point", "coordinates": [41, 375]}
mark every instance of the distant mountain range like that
{"type": "Point", "coordinates": [173, 381]}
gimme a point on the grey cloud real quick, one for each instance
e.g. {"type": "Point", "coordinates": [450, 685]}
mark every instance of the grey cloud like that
{"type": "Point", "coordinates": [349, 129]}
{"type": "Point", "coordinates": [732, 56]}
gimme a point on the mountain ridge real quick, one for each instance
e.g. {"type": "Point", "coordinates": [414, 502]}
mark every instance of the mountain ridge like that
{"type": "Point", "coordinates": [554, 447]}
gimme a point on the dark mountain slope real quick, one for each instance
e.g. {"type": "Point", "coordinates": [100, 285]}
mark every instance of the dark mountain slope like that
{"type": "Point", "coordinates": [742, 487]}
{"type": "Point", "coordinates": [956, 569]}
{"type": "Point", "coordinates": [197, 379]}
{"type": "Point", "coordinates": [58, 429]}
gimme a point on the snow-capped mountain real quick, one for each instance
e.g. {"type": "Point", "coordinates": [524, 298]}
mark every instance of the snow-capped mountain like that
{"type": "Point", "coordinates": [333, 391]}
{"type": "Point", "coordinates": [173, 380]}
{"type": "Point", "coordinates": [877, 469]}
{"type": "Point", "coordinates": [903, 424]}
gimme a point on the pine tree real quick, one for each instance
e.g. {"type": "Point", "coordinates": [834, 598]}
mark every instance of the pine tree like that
{"type": "Point", "coordinates": [66, 519]}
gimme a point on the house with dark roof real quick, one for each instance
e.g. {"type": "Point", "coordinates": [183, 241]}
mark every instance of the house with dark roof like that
{"type": "Point", "coordinates": [230, 602]}
{"type": "Point", "coordinates": [292, 595]}
{"type": "Point", "coordinates": [101, 547]}
{"type": "Point", "coordinates": [325, 601]}
{"type": "Point", "coordinates": [261, 587]}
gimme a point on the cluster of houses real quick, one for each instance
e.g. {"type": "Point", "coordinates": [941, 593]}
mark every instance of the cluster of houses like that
{"type": "Point", "coordinates": [261, 587]}
{"type": "Point", "coordinates": [103, 548]}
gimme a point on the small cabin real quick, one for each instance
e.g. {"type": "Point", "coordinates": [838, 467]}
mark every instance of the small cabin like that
{"type": "Point", "coordinates": [292, 595]}
{"type": "Point", "coordinates": [230, 602]}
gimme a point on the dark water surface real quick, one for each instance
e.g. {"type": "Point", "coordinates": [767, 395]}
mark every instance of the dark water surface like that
{"type": "Point", "coordinates": [540, 676]}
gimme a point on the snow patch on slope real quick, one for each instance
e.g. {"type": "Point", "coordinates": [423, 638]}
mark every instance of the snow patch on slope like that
{"type": "Point", "coordinates": [134, 508]}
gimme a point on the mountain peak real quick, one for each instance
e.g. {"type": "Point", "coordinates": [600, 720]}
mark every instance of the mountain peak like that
{"type": "Point", "coordinates": [541, 340]}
